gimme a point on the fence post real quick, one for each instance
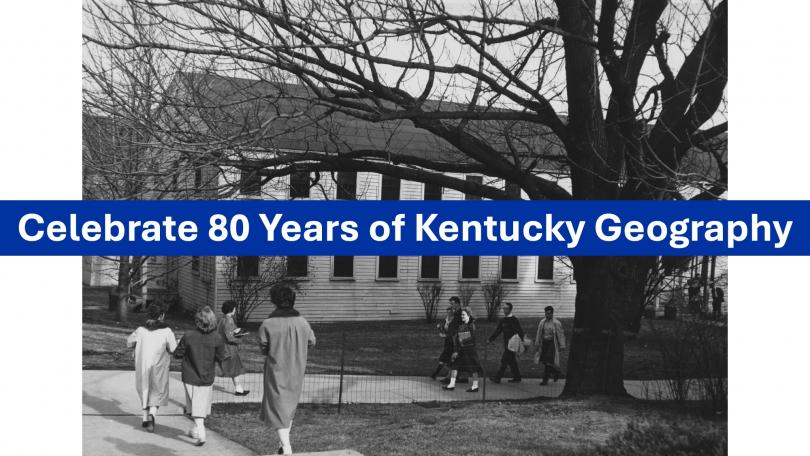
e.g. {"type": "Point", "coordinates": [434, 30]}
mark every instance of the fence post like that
{"type": "Point", "coordinates": [484, 371]}
{"type": "Point", "coordinates": [342, 362]}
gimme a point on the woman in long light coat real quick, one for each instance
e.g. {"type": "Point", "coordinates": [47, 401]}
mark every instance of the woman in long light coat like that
{"type": "Point", "coordinates": [550, 339]}
{"type": "Point", "coordinates": [285, 338]}
{"type": "Point", "coordinates": [154, 342]}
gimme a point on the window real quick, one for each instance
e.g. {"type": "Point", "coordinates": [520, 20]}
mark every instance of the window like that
{"type": "Point", "coordinates": [195, 263]}
{"type": "Point", "coordinates": [247, 266]}
{"type": "Point", "coordinates": [387, 267]}
{"type": "Point", "coordinates": [513, 190]}
{"type": "Point", "coordinates": [299, 185]}
{"type": "Point", "coordinates": [297, 266]}
{"type": "Point", "coordinates": [429, 267]}
{"type": "Point", "coordinates": [250, 183]}
{"type": "Point", "coordinates": [343, 267]}
{"type": "Point", "coordinates": [477, 180]}
{"type": "Point", "coordinates": [433, 192]}
{"type": "Point", "coordinates": [346, 186]}
{"type": "Point", "coordinates": [509, 268]}
{"type": "Point", "coordinates": [389, 188]}
{"type": "Point", "coordinates": [545, 268]}
{"type": "Point", "coordinates": [469, 267]}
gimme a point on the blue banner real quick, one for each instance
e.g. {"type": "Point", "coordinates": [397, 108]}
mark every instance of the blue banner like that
{"type": "Point", "coordinates": [672, 228]}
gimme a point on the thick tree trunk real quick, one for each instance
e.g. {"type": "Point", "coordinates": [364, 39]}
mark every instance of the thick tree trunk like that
{"type": "Point", "coordinates": [608, 291]}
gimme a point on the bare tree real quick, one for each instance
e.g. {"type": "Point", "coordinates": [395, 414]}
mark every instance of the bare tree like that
{"type": "Point", "coordinates": [617, 97]}
{"type": "Point", "coordinates": [249, 285]}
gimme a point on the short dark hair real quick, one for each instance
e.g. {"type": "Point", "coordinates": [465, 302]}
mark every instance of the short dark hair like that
{"type": "Point", "coordinates": [282, 296]}
{"type": "Point", "coordinates": [228, 306]}
{"type": "Point", "coordinates": [509, 305]}
{"type": "Point", "coordinates": [455, 299]}
{"type": "Point", "coordinates": [549, 309]}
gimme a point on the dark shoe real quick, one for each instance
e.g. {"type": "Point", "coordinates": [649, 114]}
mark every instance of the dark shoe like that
{"type": "Point", "coordinates": [463, 380]}
{"type": "Point", "coordinates": [472, 390]}
{"type": "Point", "coordinates": [448, 388]}
{"type": "Point", "coordinates": [200, 443]}
{"type": "Point", "coordinates": [514, 380]}
{"type": "Point", "coordinates": [495, 380]}
{"type": "Point", "coordinates": [544, 383]}
{"type": "Point", "coordinates": [445, 381]}
{"type": "Point", "coordinates": [150, 425]}
{"type": "Point", "coordinates": [556, 376]}
{"type": "Point", "coordinates": [243, 393]}
{"type": "Point", "coordinates": [280, 450]}
{"type": "Point", "coordinates": [144, 424]}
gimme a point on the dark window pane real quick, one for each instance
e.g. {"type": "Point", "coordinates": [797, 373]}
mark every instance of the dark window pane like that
{"type": "Point", "coordinates": [545, 267]}
{"type": "Point", "coordinates": [469, 267]}
{"type": "Point", "coordinates": [387, 266]}
{"type": "Point", "coordinates": [343, 266]}
{"type": "Point", "coordinates": [247, 266]}
{"type": "Point", "coordinates": [297, 266]}
{"type": "Point", "coordinates": [477, 180]}
{"type": "Point", "coordinates": [198, 178]}
{"type": "Point", "coordinates": [195, 263]}
{"type": "Point", "coordinates": [433, 192]}
{"type": "Point", "coordinates": [250, 183]}
{"type": "Point", "coordinates": [513, 190]}
{"type": "Point", "coordinates": [299, 185]}
{"type": "Point", "coordinates": [390, 188]}
{"type": "Point", "coordinates": [346, 185]}
{"type": "Point", "coordinates": [430, 267]}
{"type": "Point", "coordinates": [509, 267]}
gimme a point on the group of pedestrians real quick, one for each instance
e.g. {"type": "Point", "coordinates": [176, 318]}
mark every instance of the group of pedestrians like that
{"type": "Point", "coordinates": [460, 355]}
{"type": "Point", "coordinates": [211, 347]}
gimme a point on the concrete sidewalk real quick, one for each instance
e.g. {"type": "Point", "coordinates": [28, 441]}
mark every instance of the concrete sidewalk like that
{"type": "Point", "coordinates": [111, 421]}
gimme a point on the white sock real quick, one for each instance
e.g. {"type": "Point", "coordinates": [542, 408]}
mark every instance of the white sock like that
{"type": "Point", "coordinates": [153, 411]}
{"type": "Point", "coordinates": [475, 384]}
{"type": "Point", "coordinates": [452, 383]}
{"type": "Point", "coordinates": [284, 438]}
{"type": "Point", "coordinates": [200, 422]}
{"type": "Point", "coordinates": [146, 414]}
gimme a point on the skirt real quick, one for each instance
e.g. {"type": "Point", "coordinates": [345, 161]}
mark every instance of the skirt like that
{"type": "Point", "coordinates": [447, 354]}
{"type": "Point", "coordinates": [467, 361]}
{"type": "Point", "coordinates": [198, 400]}
{"type": "Point", "coordinates": [231, 366]}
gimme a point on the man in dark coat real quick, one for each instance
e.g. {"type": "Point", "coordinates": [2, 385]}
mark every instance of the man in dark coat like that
{"type": "Point", "coordinates": [508, 326]}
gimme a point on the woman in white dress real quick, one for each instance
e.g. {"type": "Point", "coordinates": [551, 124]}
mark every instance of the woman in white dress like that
{"type": "Point", "coordinates": [154, 342]}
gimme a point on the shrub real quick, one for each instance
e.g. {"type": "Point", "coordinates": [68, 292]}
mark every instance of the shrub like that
{"type": "Point", "coordinates": [495, 293]}
{"type": "Point", "coordinates": [430, 294]}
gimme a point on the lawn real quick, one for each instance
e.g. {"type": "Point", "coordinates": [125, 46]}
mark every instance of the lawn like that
{"type": "Point", "coordinates": [383, 348]}
{"type": "Point", "coordinates": [547, 427]}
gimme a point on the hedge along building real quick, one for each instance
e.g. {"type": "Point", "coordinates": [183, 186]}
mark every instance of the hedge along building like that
{"type": "Point", "coordinates": [259, 120]}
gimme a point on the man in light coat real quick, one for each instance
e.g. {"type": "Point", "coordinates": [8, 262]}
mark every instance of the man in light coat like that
{"type": "Point", "coordinates": [549, 341]}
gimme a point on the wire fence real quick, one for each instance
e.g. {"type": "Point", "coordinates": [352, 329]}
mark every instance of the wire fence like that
{"type": "Point", "coordinates": [353, 379]}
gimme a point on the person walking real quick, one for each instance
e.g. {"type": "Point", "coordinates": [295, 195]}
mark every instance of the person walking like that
{"type": "Point", "coordinates": [509, 326]}
{"type": "Point", "coordinates": [447, 351]}
{"type": "Point", "coordinates": [153, 343]}
{"type": "Point", "coordinates": [200, 349]}
{"type": "Point", "coordinates": [231, 366]}
{"type": "Point", "coordinates": [717, 303]}
{"type": "Point", "coordinates": [465, 356]}
{"type": "Point", "coordinates": [285, 337]}
{"type": "Point", "coordinates": [550, 339]}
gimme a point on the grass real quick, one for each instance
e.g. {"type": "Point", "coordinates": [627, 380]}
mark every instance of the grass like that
{"type": "Point", "coordinates": [380, 347]}
{"type": "Point", "coordinates": [548, 427]}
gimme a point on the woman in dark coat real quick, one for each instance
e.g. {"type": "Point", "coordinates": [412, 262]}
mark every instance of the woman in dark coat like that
{"type": "Point", "coordinates": [446, 334]}
{"type": "Point", "coordinates": [200, 348]}
{"type": "Point", "coordinates": [465, 356]}
{"type": "Point", "coordinates": [285, 338]}
{"type": "Point", "coordinates": [231, 366]}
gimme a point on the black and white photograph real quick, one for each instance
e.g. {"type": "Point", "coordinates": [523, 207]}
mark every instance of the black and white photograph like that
{"type": "Point", "coordinates": [404, 100]}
